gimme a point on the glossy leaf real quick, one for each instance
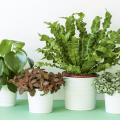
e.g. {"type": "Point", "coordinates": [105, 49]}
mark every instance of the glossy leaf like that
{"type": "Point", "coordinates": [30, 61]}
{"type": "Point", "coordinates": [18, 44]}
{"type": "Point", "coordinates": [5, 47]}
{"type": "Point", "coordinates": [1, 66]}
{"type": "Point", "coordinates": [4, 79]}
{"type": "Point", "coordinates": [16, 61]}
{"type": "Point", "coordinates": [12, 87]}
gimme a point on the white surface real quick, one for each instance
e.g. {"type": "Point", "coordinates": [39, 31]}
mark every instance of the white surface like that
{"type": "Point", "coordinates": [112, 103]}
{"type": "Point", "coordinates": [40, 104]}
{"type": "Point", "coordinates": [7, 98]}
{"type": "Point", "coordinates": [80, 94]}
{"type": "Point", "coordinates": [21, 20]}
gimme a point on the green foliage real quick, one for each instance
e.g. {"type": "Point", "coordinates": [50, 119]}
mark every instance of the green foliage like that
{"type": "Point", "coordinates": [86, 54]}
{"type": "Point", "coordinates": [108, 83]}
{"type": "Point", "coordinates": [12, 60]}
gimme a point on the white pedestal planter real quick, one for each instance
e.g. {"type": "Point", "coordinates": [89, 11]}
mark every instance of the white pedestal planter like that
{"type": "Point", "coordinates": [40, 104]}
{"type": "Point", "coordinates": [80, 94]}
{"type": "Point", "coordinates": [112, 103]}
{"type": "Point", "coordinates": [7, 98]}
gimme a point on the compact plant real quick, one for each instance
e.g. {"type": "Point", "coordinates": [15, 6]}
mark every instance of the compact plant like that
{"type": "Point", "coordinates": [108, 83]}
{"type": "Point", "coordinates": [86, 54]}
{"type": "Point", "coordinates": [36, 78]}
{"type": "Point", "coordinates": [12, 60]}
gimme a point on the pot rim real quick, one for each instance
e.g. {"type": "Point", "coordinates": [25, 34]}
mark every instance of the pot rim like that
{"type": "Point", "coordinates": [85, 76]}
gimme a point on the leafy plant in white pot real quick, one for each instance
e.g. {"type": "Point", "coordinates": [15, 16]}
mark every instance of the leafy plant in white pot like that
{"type": "Point", "coordinates": [12, 60]}
{"type": "Point", "coordinates": [109, 85]}
{"type": "Point", "coordinates": [40, 86]}
{"type": "Point", "coordinates": [82, 57]}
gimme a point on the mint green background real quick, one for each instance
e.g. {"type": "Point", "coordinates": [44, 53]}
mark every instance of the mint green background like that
{"type": "Point", "coordinates": [21, 112]}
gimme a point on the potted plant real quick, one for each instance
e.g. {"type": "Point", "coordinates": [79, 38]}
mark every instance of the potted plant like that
{"type": "Point", "coordinates": [109, 85]}
{"type": "Point", "coordinates": [82, 57]}
{"type": "Point", "coordinates": [40, 86]}
{"type": "Point", "coordinates": [12, 60]}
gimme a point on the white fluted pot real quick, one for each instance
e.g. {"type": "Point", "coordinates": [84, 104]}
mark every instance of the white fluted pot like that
{"type": "Point", "coordinates": [80, 94]}
{"type": "Point", "coordinates": [40, 104]}
{"type": "Point", "coordinates": [112, 103]}
{"type": "Point", "coordinates": [7, 98]}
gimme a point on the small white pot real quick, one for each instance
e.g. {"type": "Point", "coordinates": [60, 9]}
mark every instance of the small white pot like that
{"type": "Point", "coordinates": [7, 98]}
{"type": "Point", "coordinates": [80, 94]}
{"type": "Point", "coordinates": [40, 104]}
{"type": "Point", "coordinates": [112, 103]}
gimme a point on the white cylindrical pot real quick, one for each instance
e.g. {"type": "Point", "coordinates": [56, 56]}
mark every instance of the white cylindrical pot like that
{"type": "Point", "coordinates": [80, 94]}
{"type": "Point", "coordinates": [40, 104]}
{"type": "Point", "coordinates": [112, 103]}
{"type": "Point", "coordinates": [7, 98]}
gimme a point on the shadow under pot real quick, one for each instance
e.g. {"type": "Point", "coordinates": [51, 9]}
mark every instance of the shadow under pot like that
{"type": "Point", "coordinates": [40, 104]}
{"type": "Point", "coordinates": [7, 98]}
{"type": "Point", "coordinates": [80, 94]}
{"type": "Point", "coordinates": [112, 103]}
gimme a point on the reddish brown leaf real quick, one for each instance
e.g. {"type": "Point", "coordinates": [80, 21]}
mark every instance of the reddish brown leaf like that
{"type": "Point", "coordinates": [22, 80]}
{"type": "Point", "coordinates": [25, 88]}
{"type": "Point", "coordinates": [18, 84]}
{"type": "Point", "coordinates": [56, 79]}
{"type": "Point", "coordinates": [20, 76]}
{"type": "Point", "coordinates": [26, 78]}
{"type": "Point", "coordinates": [46, 76]}
{"type": "Point", "coordinates": [31, 86]}
{"type": "Point", "coordinates": [35, 70]}
{"type": "Point", "coordinates": [41, 71]}
{"type": "Point", "coordinates": [33, 81]}
{"type": "Point", "coordinates": [51, 73]}
{"type": "Point", "coordinates": [19, 88]}
{"type": "Point", "coordinates": [51, 86]}
{"type": "Point", "coordinates": [59, 74]}
{"type": "Point", "coordinates": [64, 73]}
{"type": "Point", "coordinates": [45, 83]}
{"type": "Point", "coordinates": [50, 78]}
{"type": "Point", "coordinates": [26, 71]}
{"type": "Point", "coordinates": [24, 83]}
{"type": "Point", "coordinates": [61, 82]}
{"type": "Point", "coordinates": [21, 91]}
{"type": "Point", "coordinates": [38, 76]}
{"type": "Point", "coordinates": [55, 87]}
{"type": "Point", "coordinates": [11, 80]}
{"type": "Point", "coordinates": [36, 85]}
{"type": "Point", "coordinates": [41, 80]}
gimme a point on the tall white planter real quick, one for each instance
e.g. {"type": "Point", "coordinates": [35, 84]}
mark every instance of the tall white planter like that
{"type": "Point", "coordinates": [40, 104]}
{"type": "Point", "coordinates": [7, 98]}
{"type": "Point", "coordinates": [112, 103]}
{"type": "Point", "coordinates": [80, 94]}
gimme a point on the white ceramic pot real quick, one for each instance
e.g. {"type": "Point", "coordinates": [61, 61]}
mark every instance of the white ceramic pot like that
{"type": "Point", "coordinates": [112, 103]}
{"type": "Point", "coordinates": [80, 94]}
{"type": "Point", "coordinates": [7, 98]}
{"type": "Point", "coordinates": [40, 104]}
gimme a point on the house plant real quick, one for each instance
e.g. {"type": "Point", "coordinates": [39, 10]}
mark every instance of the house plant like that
{"type": "Point", "coordinates": [40, 86]}
{"type": "Point", "coordinates": [12, 60]}
{"type": "Point", "coordinates": [109, 85]}
{"type": "Point", "coordinates": [82, 57]}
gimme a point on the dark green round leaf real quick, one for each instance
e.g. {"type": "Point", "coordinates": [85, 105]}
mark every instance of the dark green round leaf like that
{"type": "Point", "coordinates": [12, 87]}
{"type": "Point", "coordinates": [15, 61]}
{"type": "Point", "coordinates": [1, 66]}
{"type": "Point", "coordinates": [4, 79]}
{"type": "Point", "coordinates": [30, 61]}
{"type": "Point", "coordinates": [5, 47]}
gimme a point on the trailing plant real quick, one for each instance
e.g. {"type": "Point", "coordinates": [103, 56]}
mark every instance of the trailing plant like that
{"type": "Point", "coordinates": [108, 83]}
{"type": "Point", "coordinates": [88, 53]}
{"type": "Point", "coordinates": [36, 78]}
{"type": "Point", "coordinates": [12, 60]}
